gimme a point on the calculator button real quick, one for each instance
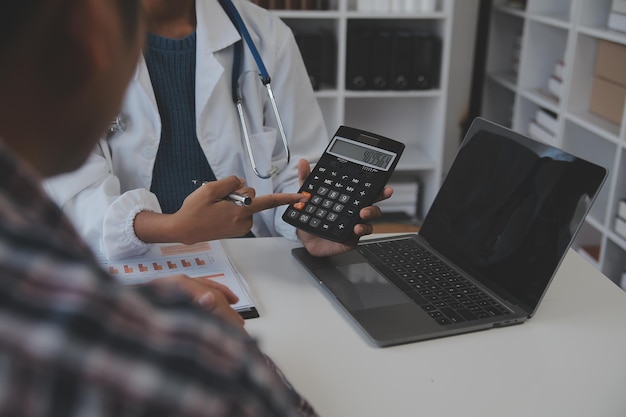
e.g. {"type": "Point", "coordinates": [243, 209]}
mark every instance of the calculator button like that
{"type": "Point", "coordinates": [317, 200]}
{"type": "Point", "coordinates": [333, 194]}
{"type": "Point", "coordinates": [343, 198]}
{"type": "Point", "coordinates": [298, 206]}
{"type": "Point", "coordinates": [307, 195]}
{"type": "Point", "coordinates": [332, 217]}
{"type": "Point", "coordinates": [310, 187]}
{"type": "Point", "coordinates": [293, 214]}
{"type": "Point", "coordinates": [304, 218]}
{"type": "Point", "coordinates": [339, 230]}
{"type": "Point", "coordinates": [349, 188]}
{"type": "Point", "coordinates": [327, 204]}
{"type": "Point", "coordinates": [322, 191]}
{"type": "Point", "coordinates": [315, 222]}
{"type": "Point", "coordinates": [321, 212]}
{"type": "Point", "coordinates": [309, 209]}
{"type": "Point", "coordinates": [356, 203]}
{"type": "Point", "coordinates": [338, 207]}
{"type": "Point", "coordinates": [326, 226]}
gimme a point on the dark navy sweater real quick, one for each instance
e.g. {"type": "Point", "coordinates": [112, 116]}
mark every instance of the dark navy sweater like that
{"type": "Point", "coordinates": [180, 164]}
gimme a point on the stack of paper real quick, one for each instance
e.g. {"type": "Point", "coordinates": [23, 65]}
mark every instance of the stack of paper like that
{"type": "Point", "coordinates": [544, 127]}
{"type": "Point", "coordinates": [617, 16]}
{"type": "Point", "coordinates": [202, 260]}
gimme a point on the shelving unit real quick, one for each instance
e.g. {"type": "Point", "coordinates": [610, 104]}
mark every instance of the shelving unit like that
{"type": "Point", "coordinates": [567, 30]}
{"type": "Point", "coordinates": [414, 117]}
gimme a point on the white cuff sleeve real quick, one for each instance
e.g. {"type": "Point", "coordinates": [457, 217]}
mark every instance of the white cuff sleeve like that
{"type": "Point", "coordinates": [119, 239]}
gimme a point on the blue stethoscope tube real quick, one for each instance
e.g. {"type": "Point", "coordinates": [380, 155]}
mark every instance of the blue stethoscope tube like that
{"type": "Point", "coordinates": [119, 123]}
{"type": "Point", "coordinates": [235, 17]}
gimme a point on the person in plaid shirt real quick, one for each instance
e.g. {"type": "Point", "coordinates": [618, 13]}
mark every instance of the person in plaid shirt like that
{"type": "Point", "coordinates": [74, 342]}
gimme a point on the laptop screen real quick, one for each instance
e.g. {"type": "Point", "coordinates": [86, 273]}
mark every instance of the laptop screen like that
{"type": "Point", "coordinates": [509, 209]}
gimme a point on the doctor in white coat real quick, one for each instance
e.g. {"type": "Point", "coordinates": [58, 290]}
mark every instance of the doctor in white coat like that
{"type": "Point", "coordinates": [109, 198]}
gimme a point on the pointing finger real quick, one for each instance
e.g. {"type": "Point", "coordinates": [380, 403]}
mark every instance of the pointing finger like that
{"type": "Point", "coordinates": [268, 201]}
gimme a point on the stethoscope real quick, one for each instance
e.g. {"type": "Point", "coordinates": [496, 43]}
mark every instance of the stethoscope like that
{"type": "Point", "coordinates": [120, 121]}
{"type": "Point", "coordinates": [235, 17]}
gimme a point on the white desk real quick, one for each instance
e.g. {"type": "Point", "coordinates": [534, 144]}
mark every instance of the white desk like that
{"type": "Point", "coordinates": [569, 360]}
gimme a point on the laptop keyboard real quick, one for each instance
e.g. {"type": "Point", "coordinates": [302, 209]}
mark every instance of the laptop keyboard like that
{"type": "Point", "coordinates": [444, 294]}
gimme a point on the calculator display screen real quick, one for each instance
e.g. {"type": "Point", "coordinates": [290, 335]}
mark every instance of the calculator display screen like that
{"type": "Point", "coordinates": [362, 153]}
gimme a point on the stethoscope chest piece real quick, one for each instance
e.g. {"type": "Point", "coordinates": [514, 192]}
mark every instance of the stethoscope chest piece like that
{"type": "Point", "coordinates": [118, 125]}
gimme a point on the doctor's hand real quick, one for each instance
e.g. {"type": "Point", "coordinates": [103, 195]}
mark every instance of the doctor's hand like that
{"type": "Point", "coordinates": [318, 246]}
{"type": "Point", "coordinates": [206, 214]}
{"type": "Point", "coordinates": [206, 293]}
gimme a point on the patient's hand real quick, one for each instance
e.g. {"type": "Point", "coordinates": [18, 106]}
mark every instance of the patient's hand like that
{"type": "Point", "coordinates": [207, 293]}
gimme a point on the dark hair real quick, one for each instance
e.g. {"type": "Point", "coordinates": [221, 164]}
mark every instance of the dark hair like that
{"type": "Point", "coordinates": [14, 16]}
{"type": "Point", "coordinates": [129, 12]}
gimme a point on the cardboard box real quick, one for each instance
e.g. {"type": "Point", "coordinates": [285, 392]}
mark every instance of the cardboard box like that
{"type": "Point", "coordinates": [607, 100]}
{"type": "Point", "coordinates": [590, 252]}
{"type": "Point", "coordinates": [611, 61]}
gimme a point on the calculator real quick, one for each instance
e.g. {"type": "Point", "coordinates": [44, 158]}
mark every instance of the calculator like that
{"type": "Point", "coordinates": [350, 175]}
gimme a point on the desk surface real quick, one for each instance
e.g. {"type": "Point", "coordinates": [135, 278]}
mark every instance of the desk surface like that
{"type": "Point", "coordinates": [568, 360]}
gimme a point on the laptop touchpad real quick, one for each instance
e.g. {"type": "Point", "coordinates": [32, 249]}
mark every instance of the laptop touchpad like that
{"type": "Point", "coordinates": [358, 286]}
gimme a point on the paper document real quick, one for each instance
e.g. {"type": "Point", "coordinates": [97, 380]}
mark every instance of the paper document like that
{"type": "Point", "coordinates": [205, 259]}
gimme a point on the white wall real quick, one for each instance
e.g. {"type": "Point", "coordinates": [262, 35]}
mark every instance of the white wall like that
{"type": "Point", "coordinates": [459, 85]}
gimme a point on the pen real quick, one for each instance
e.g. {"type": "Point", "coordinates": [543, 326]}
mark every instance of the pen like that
{"type": "Point", "coordinates": [240, 199]}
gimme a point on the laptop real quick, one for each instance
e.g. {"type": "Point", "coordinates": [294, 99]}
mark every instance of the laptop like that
{"type": "Point", "coordinates": [493, 239]}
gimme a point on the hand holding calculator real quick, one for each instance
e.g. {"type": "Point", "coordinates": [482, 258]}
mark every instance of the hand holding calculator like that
{"type": "Point", "coordinates": [349, 176]}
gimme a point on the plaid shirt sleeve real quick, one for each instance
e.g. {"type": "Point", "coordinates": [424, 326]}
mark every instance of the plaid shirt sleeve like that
{"type": "Point", "coordinates": [73, 342]}
{"type": "Point", "coordinates": [75, 347]}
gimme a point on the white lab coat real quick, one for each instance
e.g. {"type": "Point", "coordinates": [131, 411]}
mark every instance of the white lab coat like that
{"type": "Point", "coordinates": [104, 195]}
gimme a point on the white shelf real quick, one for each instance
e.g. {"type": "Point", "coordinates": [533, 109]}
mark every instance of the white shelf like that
{"type": "Point", "coordinates": [393, 16]}
{"type": "Point", "coordinates": [597, 125]}
{"type": "Point", "coordinates": [392, 94]}
{"type": "Point", "coordinates": [507, 80]}
{"type": "Point", "coordinates": [566, 30]}
{"type": "Point", "coordinates": [415, 158]}
{"type": "Point", "coordinates": [551, 20]}
{"type": "Point", "coordinates": [510, 11]}
{"type": "Point", "coordinates": [414, 117]}
{"type": "Point", "coordinates": [307, 14]}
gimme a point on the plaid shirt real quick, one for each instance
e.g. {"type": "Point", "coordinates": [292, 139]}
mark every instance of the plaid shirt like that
{"type": "Point", "coordinates": [73, 342]}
